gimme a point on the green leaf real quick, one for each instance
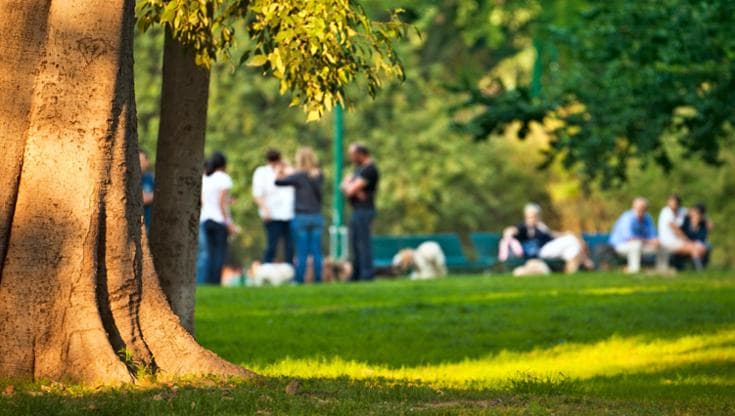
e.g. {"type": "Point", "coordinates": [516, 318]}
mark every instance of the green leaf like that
{"type": "Point", "coordinates": [258, 60]}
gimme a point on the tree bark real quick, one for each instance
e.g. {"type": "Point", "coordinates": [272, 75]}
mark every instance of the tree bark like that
{"type": "Point", "coordinates": [16, 82]}
{"type": "Point", "coordinates": [175, 215]}
{"type": "Point", "coordinates": [77, 284]}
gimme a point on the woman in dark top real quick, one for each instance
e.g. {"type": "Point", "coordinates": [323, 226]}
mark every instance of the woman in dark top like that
{"type": "Point", "coordinates": [696, 228]}
{"type": "Point", "coordinates": [695, 225]}
{"type": "Point", "coordinates": [308, 222]}
{"type": "Point", "coordinates": [532, 238]}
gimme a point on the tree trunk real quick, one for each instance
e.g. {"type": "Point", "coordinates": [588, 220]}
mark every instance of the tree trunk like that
{"type": "Point", "coordinates": [77, 284]}
{"type": "Point", "coordinates": [175, 216]}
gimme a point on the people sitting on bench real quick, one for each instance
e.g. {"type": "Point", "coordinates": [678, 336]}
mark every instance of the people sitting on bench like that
{"type": "Point", "coordinates": [534, 239]}
{"type": "Point", "coordinates": [672, 236]}
{"type": "Point", "coordinates": [634, 234]}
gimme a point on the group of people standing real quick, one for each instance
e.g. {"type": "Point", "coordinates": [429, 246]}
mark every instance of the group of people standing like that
{"type": "Point", "coordinates": [289, 200]}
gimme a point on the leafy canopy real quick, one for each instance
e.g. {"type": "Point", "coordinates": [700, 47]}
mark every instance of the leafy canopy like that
{"type": "Point", "coordinates": [645, 70]}
{"type": "Point", "coordinates": [629, 76]}
{"type": "Point", "coordinates": [315, 48]}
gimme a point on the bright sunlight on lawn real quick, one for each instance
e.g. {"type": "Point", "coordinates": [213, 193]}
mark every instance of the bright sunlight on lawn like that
{"type": "Point", "coordinates": [585, 344]}
{"type": "Point", "coordinates": [607, 335]}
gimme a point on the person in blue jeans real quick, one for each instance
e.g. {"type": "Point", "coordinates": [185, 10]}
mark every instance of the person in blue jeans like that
{"type": "Point", "coordinates": [202, 255]}
{"type": "Point", "coordinates": [147, 183]}
{"type": "Point", "coordinates": [308, 223]}
{"type": "Point", "coordinates": [360, 189]}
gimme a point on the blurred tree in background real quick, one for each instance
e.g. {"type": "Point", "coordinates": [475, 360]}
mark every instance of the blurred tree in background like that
{"type": "Point", "coordinates": [436, 178]}
{"type": "Point", "coordinates": [622, 78]}
{"type": "Point", "coordinates": [639, 72]}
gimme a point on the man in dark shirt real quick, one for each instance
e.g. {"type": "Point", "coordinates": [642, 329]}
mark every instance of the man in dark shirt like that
{"type": "Point", "coordinates": [360, 189]}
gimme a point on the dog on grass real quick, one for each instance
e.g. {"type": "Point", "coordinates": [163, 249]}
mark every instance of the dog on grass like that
{"type": "Point", "coordinates": [273, 274]}
{"type": "Point", "coordinates": [336, 270]}
{"type": "Point", "coordinates": [427, 261]}
{"type": "Point", "coordinates": [276, 274]}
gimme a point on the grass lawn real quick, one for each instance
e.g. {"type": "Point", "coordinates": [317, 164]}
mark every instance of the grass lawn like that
{"type": "Point", "coordinates": [585, 344]}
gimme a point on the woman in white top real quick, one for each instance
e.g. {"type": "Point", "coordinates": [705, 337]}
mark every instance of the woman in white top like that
{"type": "Point", "coordinates": [215, 222]}
{"type": "Point", "coordinates": [670, 234]}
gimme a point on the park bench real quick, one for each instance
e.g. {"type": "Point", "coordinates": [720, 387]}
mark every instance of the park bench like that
{"type": "Point", "coordinates": [602, 253]}
{"type": "Point", "coordinates": [486, 247]}
{"type": "Point", "coordinates": [600, 250]}
{"type": "Point", "coordinates": [386, 246]}
{"type": "Point", "coordinates": [605, 256]}
{"type": "Point", "coordinates": [486, 244]}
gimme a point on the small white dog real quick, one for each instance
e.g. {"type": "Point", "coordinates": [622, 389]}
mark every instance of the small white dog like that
{"type": "Point", "coordinates": [427, 261]}
{"type": "Point", "coordinates": [273, 274]}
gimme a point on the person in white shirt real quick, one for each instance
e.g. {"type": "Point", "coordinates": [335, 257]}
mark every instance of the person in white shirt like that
{"type": "Point", "coordinates": [275, 206]}
{"type": "Point", "coordinates": [672, 237]}
{"type": "Point", "coordinates": [215, 222]}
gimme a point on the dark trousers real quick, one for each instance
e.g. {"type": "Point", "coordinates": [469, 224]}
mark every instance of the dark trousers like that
{"type": "Point", "coordinates": [275, 231]}
{"type": "Point", "coordinates": [362, 253]}
{"type": "Point", "coordinates": [216, 237]}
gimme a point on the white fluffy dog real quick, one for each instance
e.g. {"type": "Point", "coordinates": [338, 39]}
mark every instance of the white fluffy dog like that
{"type": "Point", "coordinates": [427, 261]}
{"type": "Point", "coordinates": [274, 274]}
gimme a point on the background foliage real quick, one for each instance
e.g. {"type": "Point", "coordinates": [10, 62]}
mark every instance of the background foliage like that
{"type": "Point", "coordinates": [435, 177]}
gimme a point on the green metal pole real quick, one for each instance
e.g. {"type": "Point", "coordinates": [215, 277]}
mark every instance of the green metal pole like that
{"type": "Point", "coordinates": [537, 67]}
{"type": "Point", "coordinates": [338, 204]}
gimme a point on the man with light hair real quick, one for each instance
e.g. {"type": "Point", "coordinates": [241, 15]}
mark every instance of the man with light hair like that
{"type": "Point", "coordinates": [533, 239]}
{"type": "Point", "coordinates": [532, 208]}
{"type": "Point", "coordinates": [634, 234]}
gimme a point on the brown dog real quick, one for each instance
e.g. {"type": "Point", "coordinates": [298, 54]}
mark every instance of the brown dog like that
{"type": "Point", "coordinates": [332, 270]}
{"type": "Point", "coordinates": [336, 270]}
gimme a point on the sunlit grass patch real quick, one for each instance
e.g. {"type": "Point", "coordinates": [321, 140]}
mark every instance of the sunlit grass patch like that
{"type": "Point", "coordinates": [611, 357]}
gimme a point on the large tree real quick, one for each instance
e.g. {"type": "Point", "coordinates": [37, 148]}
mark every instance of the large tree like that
{"type": "Point", "coordinates": [79, 297]}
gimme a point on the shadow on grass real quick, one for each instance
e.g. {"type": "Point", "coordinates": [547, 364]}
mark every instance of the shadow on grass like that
{"type": "Point", "coordinates": [684, 390]}
{"type": "Point", "coordinates": [712, 381]}
{"type": "Point", "coordinates": [267, 397]}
